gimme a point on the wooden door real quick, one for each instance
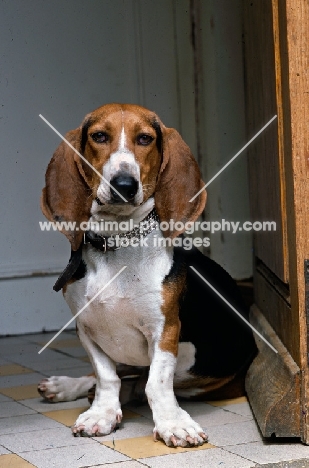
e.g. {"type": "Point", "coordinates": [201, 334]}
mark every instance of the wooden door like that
{"type": "Point", "coordinates": [276, 44]}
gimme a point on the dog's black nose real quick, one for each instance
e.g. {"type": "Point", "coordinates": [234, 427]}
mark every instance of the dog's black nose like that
{"type": "Point", "coordinates": [125, 185]}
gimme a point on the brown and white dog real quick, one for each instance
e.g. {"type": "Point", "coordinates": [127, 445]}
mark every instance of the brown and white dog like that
{"type": "Point", "coordinates": [157, 313]}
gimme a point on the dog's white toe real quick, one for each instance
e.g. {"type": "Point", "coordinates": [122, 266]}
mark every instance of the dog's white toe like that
{"type": "Point", "coordinates": [182, 431]}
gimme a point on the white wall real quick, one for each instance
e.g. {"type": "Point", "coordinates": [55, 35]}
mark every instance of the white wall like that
{"type": "Point", "coordinates": [63, 59]}
{"type": "Point", "coordinates": [223, 129]}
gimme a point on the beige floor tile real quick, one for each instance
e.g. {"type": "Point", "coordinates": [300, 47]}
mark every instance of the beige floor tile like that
{"type": "Point", "coordinates": [22, 392]}
{"type": "Point", "coordinates": [143, 447]}
{"type": "Point", "coordinates": [69, 416]}
{"type": "Point", "coordinates": [12, 369]}
{"type": "Point", "coordinates": [232, 401]}
{"type": "Point", "coordinates": [66, 417]}
{"type": "Point", "coordinates": [14, 461]}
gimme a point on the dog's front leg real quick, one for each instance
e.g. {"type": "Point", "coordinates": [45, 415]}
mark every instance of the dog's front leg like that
{"type": "Point", "coordinates": [105, 412]}
{"type": "Point", "coordinates": [172, 424]}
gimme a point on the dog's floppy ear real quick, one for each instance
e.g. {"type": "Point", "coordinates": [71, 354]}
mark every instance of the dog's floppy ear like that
{"type": "Point", "coordinates": [179, 180]}
{"type": "Point", "coordinates": [66, 196]}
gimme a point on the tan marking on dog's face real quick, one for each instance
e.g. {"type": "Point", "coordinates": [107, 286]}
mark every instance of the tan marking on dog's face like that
{"type": "Point", "coordinates": [122, 127]}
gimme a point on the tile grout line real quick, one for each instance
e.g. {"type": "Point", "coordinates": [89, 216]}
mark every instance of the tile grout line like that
{"type": "Point", "coordinates": [241, 456]}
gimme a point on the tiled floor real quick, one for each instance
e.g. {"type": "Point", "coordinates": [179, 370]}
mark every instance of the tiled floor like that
{"type": "Point", "coordinates": [34, 433]}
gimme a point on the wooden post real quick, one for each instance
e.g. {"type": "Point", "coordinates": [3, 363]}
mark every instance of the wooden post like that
{"type": "Point", "coordinates": [283, 66]}
{"type": "Point", "coordinates": [294, 16]}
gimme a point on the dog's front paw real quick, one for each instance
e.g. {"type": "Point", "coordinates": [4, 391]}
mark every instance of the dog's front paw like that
{"type": "Point", "coordinates": [97, 422]}
{"type": "Point", "coordinates": [180, 431]}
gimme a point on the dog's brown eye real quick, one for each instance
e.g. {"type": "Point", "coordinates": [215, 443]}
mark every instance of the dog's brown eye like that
{"type": "Point", "coordinates": [99, 137]}
{"type": "Point", "coordinates": [144, 140]}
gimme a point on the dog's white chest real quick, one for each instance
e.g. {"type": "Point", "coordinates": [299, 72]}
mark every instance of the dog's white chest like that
{"type": "Point", "coordinates": [126, 314]}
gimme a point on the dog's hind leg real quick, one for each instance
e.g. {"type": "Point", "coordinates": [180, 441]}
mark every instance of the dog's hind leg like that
{"type": "Point", "coordinates": [63, 388]}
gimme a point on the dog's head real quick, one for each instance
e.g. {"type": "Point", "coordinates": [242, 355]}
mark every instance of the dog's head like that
{"type": "Point", "coordinates": [128, 156]}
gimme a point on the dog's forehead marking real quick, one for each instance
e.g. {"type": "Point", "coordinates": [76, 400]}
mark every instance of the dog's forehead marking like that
{"type": "Point", "coordinates": [122, 155]}
{"type": "Point", "coordinates": [122, 141]}
{"type": "Point", "coordinates": [123, 120]}
{"type": "Point", "coordinates": [122, 148]}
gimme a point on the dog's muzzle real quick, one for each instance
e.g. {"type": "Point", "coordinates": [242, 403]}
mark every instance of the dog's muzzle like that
{"type": "Point", "coordinates": [124, 185]}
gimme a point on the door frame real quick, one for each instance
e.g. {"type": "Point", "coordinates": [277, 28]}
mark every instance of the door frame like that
{"type": "Point", "coordinates": [278, 386]}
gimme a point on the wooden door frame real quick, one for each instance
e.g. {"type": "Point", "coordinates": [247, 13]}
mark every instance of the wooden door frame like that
{"type": "Point", "coordinates": [293, 20]}
{"type": "Point", "coordinates": [278, 386]}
